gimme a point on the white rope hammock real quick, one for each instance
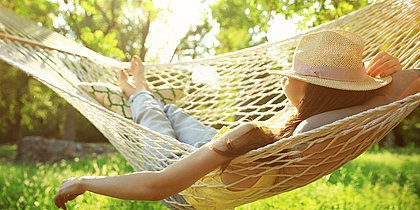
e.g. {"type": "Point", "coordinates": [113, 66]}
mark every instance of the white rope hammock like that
{"type": "Point", "coordinates": [243, 91]}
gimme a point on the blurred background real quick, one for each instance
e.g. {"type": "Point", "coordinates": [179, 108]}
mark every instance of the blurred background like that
{"type": "Point", "coordinates": [159, 31]}
{"type": "Point", "coordinates": [387, 176]}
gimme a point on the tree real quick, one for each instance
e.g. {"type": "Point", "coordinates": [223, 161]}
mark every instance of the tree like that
{"type": "Point", "coordinates": [244, 23]}
{"type": "Point", "coordinates": [191, 45]}
{"type": "Point", "coordinates": [15, 84]}
{"type": "Point", "coordinates": [12, 102]}
{"type": "Point", "coordinates": [113, 28]}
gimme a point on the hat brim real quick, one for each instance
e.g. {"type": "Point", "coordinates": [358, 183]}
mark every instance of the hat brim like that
{"type": "Point", "coordinates": [370, 83]}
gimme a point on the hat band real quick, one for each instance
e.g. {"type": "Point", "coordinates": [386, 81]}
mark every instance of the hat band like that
{"type": "Point", "coordinates": [328, 72]}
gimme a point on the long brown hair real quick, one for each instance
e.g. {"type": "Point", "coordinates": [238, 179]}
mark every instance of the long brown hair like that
{"type": "Point", "coordinates": [317, 100]}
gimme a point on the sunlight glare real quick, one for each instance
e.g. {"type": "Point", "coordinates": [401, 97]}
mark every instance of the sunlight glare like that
{"type": "Point", "coordinates": [165, 35]}
{"type": "Point", "coordinates": [280, 29]}
{"type": "Point", "coordinates": [205, 74]}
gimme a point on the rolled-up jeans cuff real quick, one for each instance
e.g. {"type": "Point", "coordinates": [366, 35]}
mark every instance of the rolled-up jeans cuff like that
{"type": "Point", "coordinates": [142, 93]}
{"type": "Point", "coordinates": [135, 95]}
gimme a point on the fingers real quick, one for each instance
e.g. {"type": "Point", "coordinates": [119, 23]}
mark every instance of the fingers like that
{"type": "Point", "coordinates": [56, 199]}
{"type": "Point", "coordinates": [391, 70]}
{"type": "Point", "coordinates": [59, 201]}
{"type": "Point", "coordinates": [376, 58]}
{"type": "Point", "coordinates": [383, 65]}
{"type": "Point", "coordinates": [386, 68]}
{"type": "Point", "coordinates": [68, 191]}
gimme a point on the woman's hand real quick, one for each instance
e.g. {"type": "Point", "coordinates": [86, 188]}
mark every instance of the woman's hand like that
{"type": "Point", "coordinates": [69, 190]}
{"type": "Point", "coordinates": [383, 64]}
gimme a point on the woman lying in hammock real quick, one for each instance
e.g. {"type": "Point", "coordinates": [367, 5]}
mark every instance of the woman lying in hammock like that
{"type": "Point", "coordinates": [328, 82]}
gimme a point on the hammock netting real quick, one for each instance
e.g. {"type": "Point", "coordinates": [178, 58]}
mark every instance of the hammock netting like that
{"type": "Point", "coordinates": [242, 90]}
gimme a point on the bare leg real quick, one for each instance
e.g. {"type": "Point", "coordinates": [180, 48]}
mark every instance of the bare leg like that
{"type": "Point", "coordinates": [168, 120]}
{"type": "Point", "coordinates": [140, 82]}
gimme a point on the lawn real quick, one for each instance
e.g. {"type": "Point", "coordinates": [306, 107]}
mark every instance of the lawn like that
{"type": "Point", "coordinates": [379, 179]}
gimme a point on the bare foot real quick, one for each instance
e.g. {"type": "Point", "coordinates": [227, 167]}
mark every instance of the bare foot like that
{"type": "Point", "coordinates": [127, 88]}
{"type": "Point", "coordinates": [140, 82]}
{"type": "Point", "coordinates": [137, 70]}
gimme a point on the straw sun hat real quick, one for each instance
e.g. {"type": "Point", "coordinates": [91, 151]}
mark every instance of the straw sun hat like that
{"type": "Point", "coordinates": [332, 59]}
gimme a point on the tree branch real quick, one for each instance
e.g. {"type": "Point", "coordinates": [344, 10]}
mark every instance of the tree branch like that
{"type": "Point", "coordinates": [144, 34]}
{"type": "Point", "coordinates": [100, 9]}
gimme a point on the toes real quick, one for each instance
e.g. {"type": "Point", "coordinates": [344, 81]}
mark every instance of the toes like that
{"type": "Point", "coordinates": [119, 74]}
{"type": "Point", "coordinates": [127, 88]}
{"type": "Point", "coordinates": [122, 76]}
{"type": "Point", "coordinates": [136, 66]}
{"type": "Point", "coordinates": [135, 60]}
{"type": "Point", "coordinates": [133, 65]}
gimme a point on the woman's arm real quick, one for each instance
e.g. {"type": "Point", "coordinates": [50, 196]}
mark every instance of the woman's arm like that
{"type": "Point", "coordinates": [151, 185]}
{"type": "Point", "coordinates": [404, 83]}
{"type": "Point", "coordinates": [413, 88]}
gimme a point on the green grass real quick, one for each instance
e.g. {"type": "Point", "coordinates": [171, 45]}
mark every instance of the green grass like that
{"type": "Point", "coordinates": [375, 180]}
{"type": "Point", "coordinates": [7, 151]}
{"type": "Point", "coordinates": [25, 185]}
{"type": "Point", "coordinates": [379, 179]}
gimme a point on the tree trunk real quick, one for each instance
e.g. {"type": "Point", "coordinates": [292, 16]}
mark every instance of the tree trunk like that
{"type": "Point", "coordinates": [71, 122]}
{"type": "Point", "coordinates": [145, 32]}
{"type": "Point", "coordinates": [14, 132]}
{"type": "Point", "coordinates": [399, 136]}
{"type": "Point", "coordinates": [15, 123]}
{"type": "Point", "coordinates": [388, 140]}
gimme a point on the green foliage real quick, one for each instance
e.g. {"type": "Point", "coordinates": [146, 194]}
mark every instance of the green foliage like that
{"type": "Point", "coordinates": [42, 111]}
{"type": "Point", "coordinates": [407, 132]}
{"type": "Point", "coordinates": [7, 151]}
{"type": "Point", "coordinates": [12, 101]}
{"type": "Point", "coordinates": [314, 13]}
{"type": "Point", "coordinates": [192, 44]}
{"type": "Point", "coordinates": [40, 11]}
{"type": "Point", "coordinates": [25, 185]}
{"type": "Point", "coordinates": [379, 179]}
{"type": "Point", "coordinates": [31, 108]}
{"type": "Point", "coordinates": [375, 180]}
{"type": "Point", "coordinates": [119, 29]}
{"type": "Point", "coordinates": [97, 41]}
{"type": "Point", "coordinates": [244, 23]}
{"type": "Point", "coordinates": [111, 27]}
{"type": "Point", "coordinates": [241, 23]}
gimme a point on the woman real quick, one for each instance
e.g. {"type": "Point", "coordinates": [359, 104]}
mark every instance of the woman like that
{"type": "Point", "coordinates": [326, 64]}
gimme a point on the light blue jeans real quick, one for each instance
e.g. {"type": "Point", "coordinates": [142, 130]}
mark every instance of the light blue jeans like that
{"type": "Point", "coordinates": [169, 120]}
